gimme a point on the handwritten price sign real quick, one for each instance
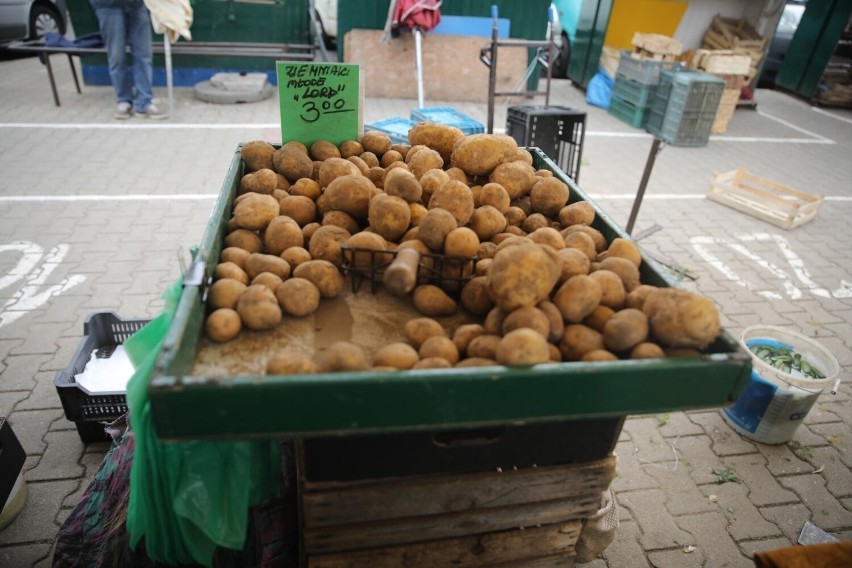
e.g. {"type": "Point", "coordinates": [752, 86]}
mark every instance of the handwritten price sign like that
{"type": "Point", "coordinates": [319, 101]}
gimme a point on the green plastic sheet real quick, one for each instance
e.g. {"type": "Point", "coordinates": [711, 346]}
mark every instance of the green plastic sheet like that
{"type": "Point", "coordinates": [188, 498]}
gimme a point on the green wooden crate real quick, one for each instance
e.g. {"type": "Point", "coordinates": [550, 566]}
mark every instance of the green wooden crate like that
{"type": "Point", "coordinates": [185, 406]}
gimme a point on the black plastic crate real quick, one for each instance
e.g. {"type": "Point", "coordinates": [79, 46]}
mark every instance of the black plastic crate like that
{"type": "Point", "coordinates": [558, 131]}
{"type": "Point", "coordinates": [103, 331]}
{"type": "Point", "coordinates": [480, 449]}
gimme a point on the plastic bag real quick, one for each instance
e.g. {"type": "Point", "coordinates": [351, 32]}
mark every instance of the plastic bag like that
{"type": "Point", "coordinates": [187, 498]}
{"type": "Point", "coordinates": [598, 530]}
{"type": "Point", "coordinates": [599, 91]}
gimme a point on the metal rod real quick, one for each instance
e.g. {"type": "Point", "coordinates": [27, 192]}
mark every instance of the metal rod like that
{"type": "Point", "coordinates": [492, 70]}
{"type": "Point", "coordinates": [646, 175]}
{"type": "Point", "coordinates": [418, 58]}
{"type": "Point", "coordinates": [52, 80]}
{"type": "Point", "coordinates": [74, 73]}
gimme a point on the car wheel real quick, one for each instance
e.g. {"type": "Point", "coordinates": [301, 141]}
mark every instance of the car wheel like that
{"type": "Point", "coordinates": [560, 64]}
{"type": "Point", "coordinates": [44, 20]}
{"type": "Point", "coordinates": [327, 40]}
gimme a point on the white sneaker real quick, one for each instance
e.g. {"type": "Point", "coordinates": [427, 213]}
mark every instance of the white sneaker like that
{"type": "Point", "coordinates": [123, 110]}
{"type": "Point", "coordinates": [152, 112]}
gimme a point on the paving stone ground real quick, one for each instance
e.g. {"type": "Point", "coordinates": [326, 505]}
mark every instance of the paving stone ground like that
{"type": "Point", "coordinates": [118, 255]}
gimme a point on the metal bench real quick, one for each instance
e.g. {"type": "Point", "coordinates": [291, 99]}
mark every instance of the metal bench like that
{"type": "Point", "coordinates": [277, 51]}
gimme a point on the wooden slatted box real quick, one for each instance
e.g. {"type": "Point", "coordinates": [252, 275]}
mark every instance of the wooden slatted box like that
{"type": "Point", "coordinates": [765, 199]}
{"type": "Point", "coordinates": [525, 518]}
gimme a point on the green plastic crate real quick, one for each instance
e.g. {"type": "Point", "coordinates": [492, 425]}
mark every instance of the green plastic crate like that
{"type": "Point", "coordinates": [632, 92]}
{"type": "Point", "coordinates": [627, 112]}
{"type": "Point", "coordinates": [187, 406]}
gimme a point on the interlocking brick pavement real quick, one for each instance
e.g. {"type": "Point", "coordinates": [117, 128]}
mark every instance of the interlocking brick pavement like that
{"type": "Point", "coordinates": [127, 252]}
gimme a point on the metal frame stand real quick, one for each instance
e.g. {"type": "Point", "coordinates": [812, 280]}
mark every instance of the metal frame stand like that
{"type": "Point", "coordinates": [656, 147]}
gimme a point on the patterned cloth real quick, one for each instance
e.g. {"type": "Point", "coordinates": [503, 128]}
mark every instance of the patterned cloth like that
{"type": "Point", "coordinates": [95, 536]}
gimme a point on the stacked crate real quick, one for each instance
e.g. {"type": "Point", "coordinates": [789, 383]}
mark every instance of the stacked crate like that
{"type": "Point", "coordinates": [635, 82]}
{"type": "Point", "coordinates": [731, 67]}
{"type": "Point", "coordinates": [684, 107]}
{"type": "Point", "coordinates": [738, 36]}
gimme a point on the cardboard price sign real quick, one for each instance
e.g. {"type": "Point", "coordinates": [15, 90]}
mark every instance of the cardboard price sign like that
{"type": "Point", "coordinates": [319, 101]}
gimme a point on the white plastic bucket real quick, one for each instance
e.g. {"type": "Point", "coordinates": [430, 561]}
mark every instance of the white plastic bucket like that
{"type": "Point", "coordinates": [774, 402]}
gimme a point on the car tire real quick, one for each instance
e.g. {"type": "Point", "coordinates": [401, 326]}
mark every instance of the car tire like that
{"type": "Point", "coordinates": [560, 64]}
{"type": "Point", "coordinates": [43, 20]}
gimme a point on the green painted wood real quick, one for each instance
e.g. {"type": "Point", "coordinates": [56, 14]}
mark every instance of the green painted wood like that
{"type": "Point", "coordinates": [588, 42]}
{"type": "Point", "coordinates": [812, 45]}
{"type": "Point", "coordinates": [187, 407]}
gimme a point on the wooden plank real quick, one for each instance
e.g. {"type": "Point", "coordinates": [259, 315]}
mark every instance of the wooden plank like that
{"type": "Point", "coordinates": [359, 502]}
{"type": "Point", "coordinates": [511, 548]}
{"type": "Point", "coordinates": [781, 188]}
{"type": "Point", "coordinates": [451, 525]}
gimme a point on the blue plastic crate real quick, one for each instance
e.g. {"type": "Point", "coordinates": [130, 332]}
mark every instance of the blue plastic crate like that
{"type": "Point", "coordinates": [450, 117]}
{"type": "Point", "coordinates": [396, 128]}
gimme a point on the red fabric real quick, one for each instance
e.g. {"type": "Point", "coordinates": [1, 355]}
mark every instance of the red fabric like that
{"type": "Point", "coordinates": [424, 14]}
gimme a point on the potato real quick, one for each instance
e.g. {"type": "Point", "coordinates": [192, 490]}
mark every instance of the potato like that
{"type": "Point", "coordinates": [527, 316]}
{"type": "Point", "coordinates": [306, 187]}
{"type": "Point", "coordinates": [466, 333]}
{"type": "Point", "coordinates": [267, 279]}
{"type": "Point", "coordinates": [480, 154]}
{"type": "Point", "coordinates": [418, 211]}
{"type": "Point", "coordinates": [245, 239]}
{"type": "Point", "coordinates": [368, 259]}
{"type": "Point", "coordinates": [281, 234]}
{"type": "Point", "coordinates": [322, 274]}
{"type": "Point", "coordinates": [577, 297]}
{"type": "Point", "coordinates": [493, 323]}
{"type": "Point", "coordinates": [342, 356]}
{"type": "Point", "coordinates": [486, 250]}
{"type": "Point", "coordinates": [439, 137]}
{"type": "Point", "coordinates": [476, 362]}
{"type": "Point", "coordinates": [548, 196]}
{"type": "Point", "coordinates": [343, 220]}
{"type": "Point", "coordinates": [258, 308]}
{"type": "Point", "coordinates": [523, 347]}
{"type": "Point", "coordinates": [484, 346]}
{"type": "Point", "coordinates": [261, 181]}
{"type": "Point", "coordinates": [573, 262]}
{"type": "Point", "coordinates": [487, 221]}
{"type": "Point", "coordinates": [223, 324]}
{"type": "Point", "coordinates": [439, 346]}
{"type": "Point", "coordinates": [283, 184]}
{"type": "Point", "coordinates": [583, 243]}
{"type": "Point", "coordinates": [323, 150]}
{"type": "Point", "coordinates": [597, 237]}
{"type": "Point", "coordinates": [370, 159]}
{"type": "Point", "coordinates": [548, 236]}
{"type": "Point", "coordinates": [430, 181]}
{"type": "Point", "coordinates": [647, 350]}
{"type": "Point", "coordinates": [376, 142]}
{"type": "Point", "coordinates": [554, 318]}
{"type": "Point", "coordinates": [612, 289]}
{"type": "Point", "coordinates": [257, 155]}
{"type": "Point", "coordinates": [292, 164]}
{"type": "Point", "coordinates": [234, 254]}
{"type": "Point", "coordinates": [402, 183]}
{"type": "Point", "coordinates": [326, 242]}
{"type": "Point", "coordinates": [232, 271]}
{"type": "Point", "coordinates": [680, 318]}
{"type": "Point", "coordinates": [389, 216]}
{"type": "Point", "coordinates": [432, 301]}
{"type": "Point", "coordinates": [435, 226]}
{"type": "Point", "coordinates": [598, 318]}
{"type": "Point", "coordinates": [455, 197]}
{"type": "Point", "coordinates": [624, 269]}
{"type": "Point", "coordinates": [255, 211]}
{"type": "Point", "coordinates": [578, 213]}
{"type": "Point", "coordinates": [333, 168]}
{"type": "Point", "coordinates": [290, 362]}
{"type": "Point", "coordinates": [418, 330]}
{"type": "Point", "coordinates": [350, 148]}
{"type": "Point", "coordinates": [351, 194]}
{"type": "Point", "coordinates": [636, 297]}
{"type": "Point", "coordinates": [516, 177]}
{"type": "Point", "coordinates": [482, 266]}
{"type": "Point", "coordinates": [298, 297]}
{"type": "Point", "coordinates": [515, 216]}
{"type": "Point", "coordinates": [577, 340]}
{"type": "Point", "coordinates": [361, 164]}
{"type": "Point", "coordinates": [423, 161]}
{"type": "Point", "coordinates": [625, 329]}
{"type": "Point", "coordinates": [225, 292]}
{"type": "Point", "coordinates": [624, 248]}
{"type": "Point", "coordinates": [534, 222]}
{"type": "Point", "coordinates": [461, 242]}
{"type": "Point", "coordinates": [523, 155]}
{"type": "Point", "coordinates": [522, 275]}
{"type": "Point", "coordinates": [297, 146]}
{"type": "Point", "coordinates": [474, 296]}
{"type": "Point", "coordinates": [295, 256]}
{"type": "Point", "coordinates": [599, 355]}
{"type": "Point", "coordinates": [432, 363]}
{"type": "Point", "coordinates": [495, 195]}
{"type": "Point", "coordinates": [259, 262]}
{"type": "Point", "coordinates": [396, 355]}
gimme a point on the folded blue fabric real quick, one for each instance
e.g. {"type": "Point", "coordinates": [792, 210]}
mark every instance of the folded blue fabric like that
{"type": "Point", "coordinates": [53, 39]}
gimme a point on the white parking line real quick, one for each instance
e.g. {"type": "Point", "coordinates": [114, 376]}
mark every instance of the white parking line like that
{"type": "Point", "coordinates": [831, 115]}
{"type": "Point", "coordinates": [793, 126]}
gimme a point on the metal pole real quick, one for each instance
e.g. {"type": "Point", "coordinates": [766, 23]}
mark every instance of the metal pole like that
{"type": "Point", "coordinates": [646, 175]}
{"type": "Point", "coordinates": [492, 71]}
{"type": "Point", "coordinates": [418, 48]}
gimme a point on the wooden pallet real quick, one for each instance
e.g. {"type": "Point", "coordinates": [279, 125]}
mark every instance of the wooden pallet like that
{"type": "Point", "coordinates": [738, 36]}
{"type": "Point", "coordinates": [764, 199]}
{"type": "Point", "coordinates": [657, 44]}
{"type": "Point", "coordinates": [727, 106]}
{"type": "Point", "coordinates": [526, 518]}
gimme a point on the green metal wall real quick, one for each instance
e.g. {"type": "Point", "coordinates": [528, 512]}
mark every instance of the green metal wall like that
{"type": "Point", "coordinates": [588, 41]}
{"type": "Point", "coordinates": [813, 45]}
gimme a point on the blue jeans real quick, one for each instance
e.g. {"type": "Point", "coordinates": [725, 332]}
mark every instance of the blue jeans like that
{"type": "Point", "coordinates": [123, 25]}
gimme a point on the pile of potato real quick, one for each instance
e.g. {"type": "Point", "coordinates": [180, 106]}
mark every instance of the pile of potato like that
{"type": "Point", "coordinates": [545, 285]}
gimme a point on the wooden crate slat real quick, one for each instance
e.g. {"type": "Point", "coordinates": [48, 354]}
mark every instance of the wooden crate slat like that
{"type": "Point", "coordinates": [781, 188]}
{"type": "Point", "coordinates": [358, 503]}
{"type": "Point", "coordinates": [511, 548]}
{"type": "Point", "coordinates": [434, 527]}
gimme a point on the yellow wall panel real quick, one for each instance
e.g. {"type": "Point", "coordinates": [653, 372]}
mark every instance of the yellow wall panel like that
{"type": "Point", "coordinates": [646, 16]}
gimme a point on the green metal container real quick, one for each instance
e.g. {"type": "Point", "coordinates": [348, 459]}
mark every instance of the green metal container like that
{"type": "Point", "coordinates": [186, 406]}
{"type": "Point", "coordinates": [589, 40]}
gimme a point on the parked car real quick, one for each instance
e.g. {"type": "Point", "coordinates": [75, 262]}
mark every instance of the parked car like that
{"type": "Point", "coordinates": [326, 13]}
{"type": "Point", "coordinates": [567, 13]}
{"type": "Point", "coordinates": [30, 19]}
{"type": "Point", "coordinates": [790, 18]}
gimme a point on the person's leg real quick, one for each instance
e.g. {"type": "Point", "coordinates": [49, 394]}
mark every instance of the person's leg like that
{"type": "Point", "coordinates": [111, 23]}
{"type": "Point", "coordinates": [139, 38]}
